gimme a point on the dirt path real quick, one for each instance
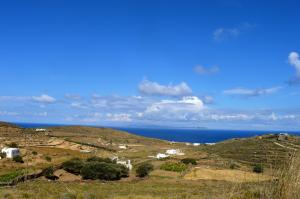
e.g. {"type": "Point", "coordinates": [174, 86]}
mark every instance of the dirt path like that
{"type": "Point", "coordinates": [285, 146]}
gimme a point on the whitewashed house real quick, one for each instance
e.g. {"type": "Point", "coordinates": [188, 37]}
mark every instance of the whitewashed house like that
{"type": "Point", "coordinates": [161, 156]}
{"type": "Point", "coordinates": [11, 152]}
{"type": "Point", "coordinates": [174, 152]}
{"type": "Point", "coordinates": [126, 163]}
{"type": "Point", "coordinates": [171, 151]}
{"type": "Point", "coordinates": [122, 147]}
{"type": "Point", "coordinates": [40, 130]}
{"type": "Point", "coordinates": [196, 144]}
{"type": "Point", "coordinates": [210, 143]}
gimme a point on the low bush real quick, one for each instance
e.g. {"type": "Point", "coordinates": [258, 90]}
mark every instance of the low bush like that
{"type": "Point", "coordinates": [189, 161]}
{"type": "Point", "coordinates": [34, 153]}
{"type": "Point", "coordinates": [144, 170]}
{"type": "Point", "coordinates": [18, 159]}
{"type": "Point", "coordinates": [258, 168]}
{"type": "Point", "coordinates": [174, 166]}
{"type": "Point", "coordinates": [2, 155]}
{"type": "Point", "coordinates": [48, 158]}
{"type": "Point", "coordinates": [103, 171]}
{"type": "Point", "coordinates": [13, 145]}
{"type": "Point", "coordinates": [49, 173]}
{"type": "Point", "coordinates": [73, 166]}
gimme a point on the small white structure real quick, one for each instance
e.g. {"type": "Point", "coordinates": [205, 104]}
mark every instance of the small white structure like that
{"type": "Point", "coordinates": [284, 134]}
{"type": "Point", "coordinates": [40, 130]}
{"type": "Point", "coordinates": [174, 152]}
{"type": "Point", "coordinates": [210, 143]}
{"type": "Point", "coordinates": [171, 151]}
{"type": "Point", "coordinates": [187, 144]}
{"type": "Point", "coordinates": [196, 144]}
{"type": "Point", "coordinates": [161, 156]}
{"type": "Point", "coordinates": [11, 152]}
{"type": "Point", "coordinates": [127, 164]}
{"type": "Point", "coordinates": [122, 147]}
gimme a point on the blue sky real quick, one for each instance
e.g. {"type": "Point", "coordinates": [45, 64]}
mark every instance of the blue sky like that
{"type": "Point", "coordinates": [218, 64]}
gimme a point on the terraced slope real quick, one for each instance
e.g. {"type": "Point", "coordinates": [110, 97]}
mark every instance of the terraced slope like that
{"type": "Point", "coordinates": [271, 150]}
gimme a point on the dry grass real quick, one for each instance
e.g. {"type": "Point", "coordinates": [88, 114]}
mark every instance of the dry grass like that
{"type": "Point", "coordinates": [225, 175]}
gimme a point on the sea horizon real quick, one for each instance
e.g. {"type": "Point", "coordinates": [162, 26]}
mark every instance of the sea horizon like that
{"type": "Point", "coordinates": [190, 135]}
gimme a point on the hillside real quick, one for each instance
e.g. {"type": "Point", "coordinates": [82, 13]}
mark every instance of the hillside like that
{"type": "Point", "coordinates": [271, 150]}
{"type": "Point", "coordinates": [219, 168]}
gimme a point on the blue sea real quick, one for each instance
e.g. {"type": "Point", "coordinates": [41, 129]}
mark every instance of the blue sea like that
{"type": "Point", "coordinates": [182, 135]}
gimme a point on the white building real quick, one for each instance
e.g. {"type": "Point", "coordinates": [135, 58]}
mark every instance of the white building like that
{"type": "Point", "coordinates": [196, 144]}
{"type": "Point", "coordinates": [171, 151]}
{"type": "Point", "coordinates": [11, 152]}
{"type": "Point", "coordinates": [126, 163]}
{"type": "Point", "coordinates": [122, 147]}
{"type": "Point", "coordinates": [40, 130]}
{"type": "Point", "coordinates": [174, 152]}
{"type": "Point", "coordinates": [161, 156]}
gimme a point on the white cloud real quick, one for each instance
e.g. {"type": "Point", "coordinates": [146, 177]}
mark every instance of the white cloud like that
{"type": "Point", "coordinates": [201, 70]}
{"type": "Point", "coordinates": [118, 117]}
{"type": "Point", "coordinates": [295, 61]}
{"type": "Point", "coordinates": [276, 117]}
{"type": "Point", "coordinates": [189, 104]}
{"type": "Point", "coordinates": [221, 34]}
{"type": "Point", "coordinates": [44, 99]}
{"type": "Point", "coordinates": [78, 105]}
{"type": "Point", "coordinates": [72, 96]}
{"type": "Point", "coordinates": [230, 117]}
{"type": "Point", "coordinates": [8, 113]}
{"type": "Point", "coordinates": [153, 88]}
{"type": "Point", "coordinates": [244, 92]}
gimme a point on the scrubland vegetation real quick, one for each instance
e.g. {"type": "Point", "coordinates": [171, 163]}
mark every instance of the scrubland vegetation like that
{"type": "Point", "coordinates": [263, 167]}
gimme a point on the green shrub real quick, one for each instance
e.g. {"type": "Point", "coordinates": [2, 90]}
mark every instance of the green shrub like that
{"type": "Point", "coordinates": [144, 170]}
{"type": "Point", "coordinates": [48, 158]}
{"type": "Point", "coordinates": [73, 166]}
{"type": "Point", "coordinates": [34, 153]}
{"type": "Point", "coordinates": [2, 155]}
{"type": "Point", "coordinates": [173, 166]}
{"type": "Point", "coordinates": [103, 171]}
{"type": "Point", "coordinates": [18, 159]}
{"type": "Point", "coordinates": [49, 173]}
{"type": "Point", "coordinates": [99, 159]}
{"type": "Point", "coordinates": [189, 161]}
{"type": "Point", "coordinates": [258, 168]}
{"type": "Point", "coordinates": [13, 145]}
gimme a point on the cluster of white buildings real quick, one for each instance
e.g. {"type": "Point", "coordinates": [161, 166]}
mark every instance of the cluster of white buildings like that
{"type": "Point", "coordinates": [40, 130]}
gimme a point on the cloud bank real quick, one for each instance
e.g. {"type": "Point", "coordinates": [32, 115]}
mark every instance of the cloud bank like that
{"type": "Point", "coordinates": [245, 92]}
{"type": "Point", "coordinates": [147, 87]}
